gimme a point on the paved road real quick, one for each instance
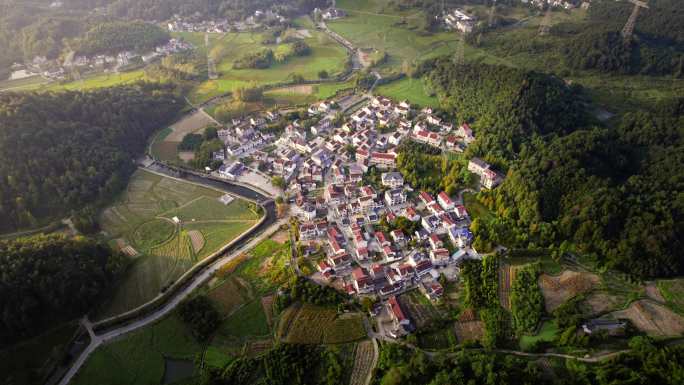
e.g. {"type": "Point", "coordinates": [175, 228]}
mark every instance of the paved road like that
{"type": "Point", "coordinates": [99, 339]}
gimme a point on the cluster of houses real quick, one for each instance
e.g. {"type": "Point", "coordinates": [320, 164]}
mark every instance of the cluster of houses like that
{"type": "Point", "coordinates": [458, 20]}
{"type": "Point", "coordinates": [192, 24]}
{"type": "Point", "coordinates": [325, 165]}
{"type": "Point", "coordinates": [330, 13]}
{"type": "Point", "coordinates": [243, 138]}
{"type": "Point", "coordinates": [55, 70]}
{"type": "Point", "coordinates": [565, 4]}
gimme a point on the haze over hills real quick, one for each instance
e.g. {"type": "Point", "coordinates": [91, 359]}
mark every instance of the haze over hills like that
{"type": "Point", "coordinates": [341, 192]}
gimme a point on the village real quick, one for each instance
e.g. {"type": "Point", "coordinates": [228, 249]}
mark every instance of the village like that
{"type": "Point", "coordinates": [58, 70]}
{"type": "Point", "coordinates": [349, 226]}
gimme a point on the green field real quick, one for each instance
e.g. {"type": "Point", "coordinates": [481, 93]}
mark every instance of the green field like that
{"type": "Point", "coordinates": [228, 48]}
{"type": "Point", "coordinates": [139, 357]}
{"type": "Point", "coordinates": [374, 24]}
{"type": "Point", "coordinates": [475, 208]}
{"type": "Point", "coordinates": [673, 292]}
{"type": "Point", "coordinates": [142, 220]}
{"type": "Point", "coordinates": [547, 333]}
{"type": "Point", "coordinates": [304, 94]}
{"type": "Point", "coordinates": [413, 90]}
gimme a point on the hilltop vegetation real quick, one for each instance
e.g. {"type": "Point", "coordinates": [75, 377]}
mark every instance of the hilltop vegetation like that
{"type": "Point", "coordinates": [45, 279]}
{"type": "Point", "coordinates": [118, 36]}
{"type": "Point", "coordinates": [64, 151]}
{"type": "Point", "coordinates": [608, 194]}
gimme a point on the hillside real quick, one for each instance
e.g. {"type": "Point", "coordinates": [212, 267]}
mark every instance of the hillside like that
{"type": "Point", "coordinates": [62, 151]}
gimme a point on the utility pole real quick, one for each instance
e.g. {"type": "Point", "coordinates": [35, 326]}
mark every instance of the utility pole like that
{"type": "Point", "coordinates": [545, 25]}
{"type": "Point", "coordinates": [491, 14]}
{"type": "Point", "coordinates": [459, 56]}
{"type": "Point", "coordinates": [628, 29]}
{"type": "Point", "coordinates": [211, 66]}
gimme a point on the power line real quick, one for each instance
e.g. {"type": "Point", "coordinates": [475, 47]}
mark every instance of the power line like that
{"type": "Point", "coordinates": [545, 25]}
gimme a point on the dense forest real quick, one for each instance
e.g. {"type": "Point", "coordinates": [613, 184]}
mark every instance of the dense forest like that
{"type": "Point", "coordinates": [61, 152]}
{"type": "Point", "coordinates": [119, 36]}
{"type": "Point", "coordinates": [645, 364]}
{"type": "Point", "coordinates": [609, 194]}
{"type": "Point", "coordinates": [46, 279]}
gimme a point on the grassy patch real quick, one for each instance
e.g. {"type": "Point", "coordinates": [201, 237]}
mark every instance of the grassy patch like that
{"type": "Point", "coordinates": [673, 292]}
{"type": "Point", "coordinates": [547, 333]}
{"type": "Point", "coordinates": [475, 208]}
{"type": "Point", "coordinates": [139, 357]}
{"type": "Point", "coordinates": [413, 90]}
{"type": "Point", "coordinates": [22, 84]}
{"type": "Point", "coordinates": [374, 24]}
{"type": "Point", "coordinates": [250, 320]}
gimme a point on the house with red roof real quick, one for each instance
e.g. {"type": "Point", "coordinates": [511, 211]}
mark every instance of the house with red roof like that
{"type": "Point", "coordinates": [445, 201]}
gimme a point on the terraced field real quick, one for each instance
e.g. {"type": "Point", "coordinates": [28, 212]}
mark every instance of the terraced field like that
{"type": "Point", "coordinates": [143, 220]}
{"type": "Point", "coordinates": [330, 327]}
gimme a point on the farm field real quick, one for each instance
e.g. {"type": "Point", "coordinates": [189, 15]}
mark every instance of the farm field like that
{"type": "Point", "coordinates": [228, 48]}
{"type": "Point", "coordinates": [653, 319]}
{"type": "Point", "coordinates": [558, 289]}
{"type": "Point", "coordinates": [469, 327]}
{"type": "Point", "coordinates": [304, 94]}
{"type": "Point", "coordinates": [374, 24]}
{"type": "Point", "coordinates": [311, 324]}
{"type": "Point", "coordinates": [413, 90]}
{"type": "Point", "coordinates": [165, 145]}
{"type": "Point", "coordinates": [139, 358]}
{"type": "Point", "coordinates": [363, 362]}
{"type": "Point", "coordinates": [420, 309]}
{"type": "Point", "coordinates": [142, 220]}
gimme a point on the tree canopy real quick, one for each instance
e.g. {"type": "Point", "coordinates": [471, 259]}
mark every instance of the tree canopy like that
{"type": "Point", "coordinates": [62, 151]}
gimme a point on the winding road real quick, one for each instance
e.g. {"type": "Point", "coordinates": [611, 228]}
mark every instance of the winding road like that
{"type": "Point", "coordinates": [99, 339]}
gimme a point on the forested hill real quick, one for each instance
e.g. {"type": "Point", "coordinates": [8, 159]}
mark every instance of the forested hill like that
{"type": "Point", "coordinates": [48, 279]}
{"type": "Point", "coordinates": [118, 36]}
{"type": "Point", "coordinates": [663, 20]}
{"type": "Point", "coordinates": [62, 151]}
{"type": "Point", "coordinates": [508, 106]}
{"type": "Point", "coordinates": [611, 193]}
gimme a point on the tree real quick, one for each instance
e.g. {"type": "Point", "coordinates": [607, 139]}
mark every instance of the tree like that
{"type": "Point", "coordinates": [278, 181]}
{"type": "Point", "coordinates": [323, 74]}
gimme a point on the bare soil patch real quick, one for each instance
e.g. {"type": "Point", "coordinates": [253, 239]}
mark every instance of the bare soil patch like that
{"type": "Point", "coordinates": [257, 347]}
{"type": "Point", "coordinates": [559, 289]}
{"type": "Point", "coordinates": [267, 304]}
{"type": "Point", "coordinates": [653, 319]}
{"type": "Point", "coordinates": [654, 293]}
{"type": "Point", "coordinates": [469, 327]}
{"type": "Point", "coordinates": [281, 237]}
{"type": "Point", "coordinates": [188, 125]}
{"type": "Point", "coordinates": [197, 240]}
{"type": "Point", "coordinates": [186, 156]}
{"type": "Point", "coordinates": [299, 90]}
